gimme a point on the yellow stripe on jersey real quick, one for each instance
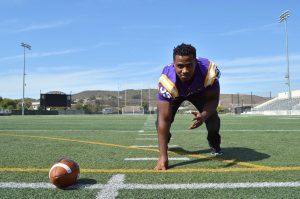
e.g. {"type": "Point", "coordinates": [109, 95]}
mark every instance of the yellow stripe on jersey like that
{"type": "Point", "coordinates": [169, 85]}
{"type": "Point", "coordinates": [211, 74]}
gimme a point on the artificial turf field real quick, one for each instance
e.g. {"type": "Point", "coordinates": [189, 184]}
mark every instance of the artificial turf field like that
{"type": "Point", "coordinates": [261, 157]}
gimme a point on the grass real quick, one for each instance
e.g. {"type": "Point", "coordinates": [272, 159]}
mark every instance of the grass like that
{"type": "Point", "coordinates": [254, 147]}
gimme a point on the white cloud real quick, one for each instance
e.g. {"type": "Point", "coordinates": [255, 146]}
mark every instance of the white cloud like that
{"type": "Point", "coordinates": [250, 30]}
{"type": "Point", "coordinates": [257, 62]}
{"type": "Point", "coordinates": [45, 54]}
{"type": "Point", "coordinates": [44, 26]}
{"type": "Point", "coordinates": [246, 73]}
{"type": "Point", "coordinates": [258, 73]}
{"type": "Point", "coordinates": [54, 53]}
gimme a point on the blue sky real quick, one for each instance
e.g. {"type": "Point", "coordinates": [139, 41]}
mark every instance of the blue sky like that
{"type": "Point", "coordinates": [82, 45]}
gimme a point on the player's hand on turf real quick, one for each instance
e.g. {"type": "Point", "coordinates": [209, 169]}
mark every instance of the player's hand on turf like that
{"type": "Point", "coordinates": [197, 120]}
{"type": "Point", "coordinates": [162, 164]}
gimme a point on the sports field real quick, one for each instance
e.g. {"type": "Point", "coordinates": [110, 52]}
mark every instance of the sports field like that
{"type": "Point", "coordinates": [117, 154]}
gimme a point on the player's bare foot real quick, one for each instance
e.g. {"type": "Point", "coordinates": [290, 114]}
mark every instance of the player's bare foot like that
{"type": "Point", "coordinates": [162, 164]}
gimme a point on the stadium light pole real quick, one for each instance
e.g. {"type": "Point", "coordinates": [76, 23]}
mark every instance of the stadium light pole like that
{"type": "Point", "coordinates": [141, 97]}
{"type": "Point", "coordinates": [24, 45]}
{"type": "Point", "coordinates": [118, 100]}
{"type": "Point", "coordinates": [149, 102]}
{"type": "Point", "coordinates": [283, 17]}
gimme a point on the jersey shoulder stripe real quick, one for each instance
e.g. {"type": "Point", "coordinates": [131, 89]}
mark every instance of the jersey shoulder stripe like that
{"type": "Point", "coordinates": [169, 85]}
{"type": "Point", "coordinates": [212, 74]}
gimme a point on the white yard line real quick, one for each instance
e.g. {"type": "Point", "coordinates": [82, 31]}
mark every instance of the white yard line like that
{"type": "Point", "coordinates": [212, 185]}
{"type": "Point", "coordinates": [255, 130]}
{"type": "Point", "coordinates": [151, 146]}
{"type": "Point", "coordinates": [146, 138]}
{"type": "Point", "coordinates": [148, 134]}
{"type": "Point", "coordinates": [145, 159]}
{"type": "Point", "coordinates": [117, 183]}
{"type": "Point", "coordinates": [109, 130]}
{"type": "Point", "coordinates": [110, 190]}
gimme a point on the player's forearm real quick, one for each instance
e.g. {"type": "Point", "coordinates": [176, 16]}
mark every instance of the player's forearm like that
{"type": "Point", "coordinates": [163, 133]}
{"type": "Point", "coordinates": [211, 104]}
{"type": "Point", "coordinates": [209, 108]}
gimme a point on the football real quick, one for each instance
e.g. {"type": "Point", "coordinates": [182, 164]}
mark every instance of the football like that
{"type": "Point", "coordinates": [64, 173]}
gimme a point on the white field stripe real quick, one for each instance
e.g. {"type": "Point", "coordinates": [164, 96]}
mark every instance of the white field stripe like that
{"type": "Point", "coordinates": [151, 146]}
{"type": "Point", "coordinates": [119, 179]}
{"type": "Point", "coordinates": [255, 130]}
{"type": "Point", "coordinates": [110, 190]}
{"type": "Point", "coordinates": [68, 130]}
{"type": "Point", "coordinates": [141, 131]}
{"type": "Point", "coordinates": [143, 159]}
{"type": "Point", "coordinates": [212, 185]}
{"type": "Point", "coordinates": [232, 130]}
{"type": "Point", "coordinates": [146, 138]}
{"type": "Point", "coordinates": [244, 130]}
{"type": "Point", "coordinates": [21, 185]}
{"type": "Point", "coordinates": [149, 134]}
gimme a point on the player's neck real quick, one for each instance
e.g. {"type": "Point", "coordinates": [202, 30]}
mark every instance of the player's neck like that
{"type": "Point", "coordinates": [189, 82]}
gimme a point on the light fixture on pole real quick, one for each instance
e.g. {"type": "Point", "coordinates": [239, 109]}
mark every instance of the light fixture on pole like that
{"type": "Point", "coordinates": [283, 17]}
{"type": "Point", "coordinates": [29, 48]}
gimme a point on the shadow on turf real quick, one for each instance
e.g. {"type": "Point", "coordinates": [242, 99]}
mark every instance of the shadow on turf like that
{"type": "Point", "coordinates": [82, 182]}
{"type": "Point", "coordinates": [238, 154]}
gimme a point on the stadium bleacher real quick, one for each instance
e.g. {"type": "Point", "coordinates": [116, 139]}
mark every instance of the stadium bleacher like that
{"type": "Point", "coordinates": [280, 105]}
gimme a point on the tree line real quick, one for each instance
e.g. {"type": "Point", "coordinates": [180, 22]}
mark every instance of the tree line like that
{"type": "Point", "coordinates": [13, 104]}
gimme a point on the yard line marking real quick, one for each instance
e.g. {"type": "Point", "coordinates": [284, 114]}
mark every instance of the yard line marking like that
{"type": "Point", "coordinates": [268, 130]}
{"type": "Point", "coordinates": [144, 148]}
{"type": "Point", "coordinates": [212, 185]}
{"type": "Point", "coordinates": [146, 138]}
{"type": "Point", "coordinates": [141, 131]}
{"type": "Point", "coordinates": [151, 146]}
{"type": "Point", "coordinates": [110, 190]}
{"type": "Point", "coordinates": [66, 130]}
{"type": "Point", "coordinates": [174, 170]}
{"type": "Point", "coordinates": [142, 159]}
{"type": "Point", "coordinates": [131, 131]}
{"type": "Point", "coordinates": [132, 186]}
{"type": "Point", "coordinates": [23, 185]}
{"type": "Point", "coordinates": [148, 134]}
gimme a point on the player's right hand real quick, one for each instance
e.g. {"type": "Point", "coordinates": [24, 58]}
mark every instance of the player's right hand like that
{"type": "Point", "coordinates": [197, 120]}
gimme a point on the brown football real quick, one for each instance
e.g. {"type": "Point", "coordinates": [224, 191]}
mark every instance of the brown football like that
{"type": "Point", "coordinates": [64, 173]}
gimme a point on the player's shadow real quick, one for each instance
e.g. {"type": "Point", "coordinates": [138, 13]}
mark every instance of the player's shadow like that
{"type": "Point", "coordinates": [82, 183]}
{"type": "Point", "coordinates": [237, 154]}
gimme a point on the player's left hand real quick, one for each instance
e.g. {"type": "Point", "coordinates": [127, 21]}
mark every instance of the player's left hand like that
{"type": "Point", "coordinates": [197, 120]}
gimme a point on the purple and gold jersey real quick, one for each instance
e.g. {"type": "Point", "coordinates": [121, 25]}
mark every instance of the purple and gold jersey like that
{"type": "Point", "coordinates": [205, 78]}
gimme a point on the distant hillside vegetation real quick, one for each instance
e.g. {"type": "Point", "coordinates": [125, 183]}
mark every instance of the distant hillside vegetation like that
{"type": "Point", "coordinates": [133, 97]}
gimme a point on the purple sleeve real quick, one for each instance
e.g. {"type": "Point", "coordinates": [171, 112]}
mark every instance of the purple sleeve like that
{"type": "Point", "coordinates": [161, 98]}
{"type": "Point", "coordinates": [163, 94]}
{"type": "Point", "coordinates": [215, 85]}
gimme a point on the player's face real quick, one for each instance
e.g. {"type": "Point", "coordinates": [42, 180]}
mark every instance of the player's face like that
{"type": "Point", "coordinates": [185, 67]}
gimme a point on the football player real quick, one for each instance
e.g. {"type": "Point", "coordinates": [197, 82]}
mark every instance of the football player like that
{"type": "Point", "coordinates": [196, 80]}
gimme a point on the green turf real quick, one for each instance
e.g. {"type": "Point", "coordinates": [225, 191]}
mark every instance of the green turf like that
{"type": "Point", "coordinates": [260, 140]}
